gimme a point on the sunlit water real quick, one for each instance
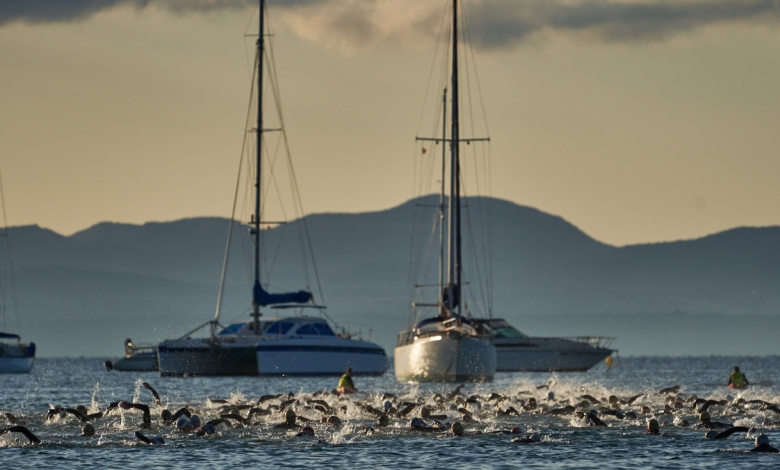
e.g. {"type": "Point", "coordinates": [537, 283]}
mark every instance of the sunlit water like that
{"type": "Point", "coordinates": [567, 442]}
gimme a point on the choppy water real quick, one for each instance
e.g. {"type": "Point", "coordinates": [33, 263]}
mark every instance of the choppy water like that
{"type": "Point", "coordinates": [567, 442]}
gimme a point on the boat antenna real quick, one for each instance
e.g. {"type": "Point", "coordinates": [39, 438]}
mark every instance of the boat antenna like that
{"type": "Point", "coordinates": [256, 288]}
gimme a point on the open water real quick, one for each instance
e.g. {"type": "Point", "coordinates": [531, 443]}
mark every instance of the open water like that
{"type": "Point", "coordinates": [567, 442]}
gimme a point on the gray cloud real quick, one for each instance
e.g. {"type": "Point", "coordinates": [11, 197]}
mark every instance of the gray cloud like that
{"type": "Point", "coordinates": [493, 23]}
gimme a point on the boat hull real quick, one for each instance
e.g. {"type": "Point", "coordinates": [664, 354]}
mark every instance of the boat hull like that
{"type": "Point", "coordinates": [291, 357]}
{"type": "Point", "coordinates": [541, 358]}
{"type": "Point", "coordinates": [443, 358]}
{"type": "Point", "coordinates": [144, 362]}
{"type": "Point", "coordinates": [195, 358]}
{"type": "Point", "coordinates": [16, 365]}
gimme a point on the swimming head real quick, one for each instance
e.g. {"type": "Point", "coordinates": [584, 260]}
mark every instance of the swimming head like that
{"type": "Point", "coordinates": [551, 395]}
{"type": "Point", "coordinates": [612, 399]}
{"type": "Point", "coordinates": [417, 423]}
{"type": "Point", "coordinates": [195, 421]}
{"type": "Point", "coordinates": [208, 429]}
{"type": "Point", "coordinates": [306, 431]}
{"type": "Point", "coordinates": [182, 423]}
{"type": "Point", "coordinates": [535, 438]}
{"type": "Point", "coordinates": [457, 429]}
{"type": "Point", "coordinates": [387, 405]}
{"type": "Point", "coordinates": [383, 420]}
{"type": "Point", "coordinates": [82, 410]}
{"type": "Point", "coordinates": [334, 420]}
{"type": "Point", "coordinates": [88, 430]}
{"type": "Point", "coordinates": [467, 418]}
{"type": "Point", "coordinates": [516, 430]}
{"type": "Point", "coordinates": [653, 427]}
{"type": "Point", "coordinates": [711, 434]}
{"type": "Point", "coordinates": [166, 416]}
{"type": "Point", "coordinates": [289, 417]}
{"type": "Point", "coordinates": [704, 417]}
{"type": "Point", "coordinates": [425, 412]}
{"type": "Point", "coordinates": [762, 439]}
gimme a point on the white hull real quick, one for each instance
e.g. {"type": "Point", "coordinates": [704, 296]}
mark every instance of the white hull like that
{"type": "Point", "coordinates": [442, 358]}
{"type": "Point", "coordinates": [16, 365]}
{"type": "Point", "coordinates": [319, 357]}
{"type": "Point", "coordinates": [253, 355]}
{"type": "Point", "coordinates": [142, 362]}
{"type": "Point", "coordinates": [547, 355]}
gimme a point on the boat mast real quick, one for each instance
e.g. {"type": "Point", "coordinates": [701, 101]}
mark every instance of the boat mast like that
{"type": "Point", "coordinates": [454, 281]}
{"type": "Point", "coordinates": [441, 198]}
{"type": "Point", "coordinates": [256, 289]}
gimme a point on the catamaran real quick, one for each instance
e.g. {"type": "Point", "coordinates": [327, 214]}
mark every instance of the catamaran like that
{"type": "Point", "coordinates": [299, 344]}
{"type": "Point", "coordinates": [447, 346]}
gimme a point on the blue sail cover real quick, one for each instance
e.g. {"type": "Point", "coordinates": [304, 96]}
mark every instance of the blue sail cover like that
{"type": "Point", "coordinates": [263, 298]}
{"type": "Point", "coordinates": [8, 336]}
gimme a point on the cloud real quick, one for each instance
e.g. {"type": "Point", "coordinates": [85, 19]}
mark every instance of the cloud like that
{"type": "Point", "coordinates": [493, 24]}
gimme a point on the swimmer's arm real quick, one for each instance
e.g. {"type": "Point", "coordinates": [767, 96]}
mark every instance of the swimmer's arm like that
{"type": "Point", "coordinates": [180, 413]}
{"type": "Point", "coordinates": [154, 392]}
{"type": "Point", "coordinates": [75, 413]}
{"type": "Point", "coordinates": [23, 430]}
{"type": "Point", "coordinates": [142, 438]}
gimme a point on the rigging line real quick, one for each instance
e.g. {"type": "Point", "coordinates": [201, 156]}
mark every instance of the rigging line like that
{"type": "Point", "coordinates": [443, 27]}
{"type": "Point", "coordinates": [233, 211]}
{"type": "Point", "coordinates": [470, 50]}
{"type": "Point", "coordinates": [303, 234]}
{"type": "Point", "coordinates": [14, 298]}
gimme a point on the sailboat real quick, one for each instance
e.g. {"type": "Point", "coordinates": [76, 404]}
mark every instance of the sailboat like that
{"type": "Point", "coordinates": [15, 357]}
{"type": "Point", "coordinates": [447, 347]}
{"type": "Point", "coordinates": [283, 345]}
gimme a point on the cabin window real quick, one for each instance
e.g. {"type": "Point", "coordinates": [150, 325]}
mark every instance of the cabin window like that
{"type": "Point", "coordinates": [279, 328]}
{"type": "Point", "coordinates": [308, 329]}
{"type": "Point", "coordinates": [231, 329]}
{"type": "Point", "coordinates": [324, 329]}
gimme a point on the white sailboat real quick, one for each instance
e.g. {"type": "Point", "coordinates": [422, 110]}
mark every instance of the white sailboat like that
{"type": "Point", "coordinates": [447, 347]}
{"type": "Point", "coordinates": [295, 345]}
{"type": "Point", "coordinates": [517, 352]}
{"type": "Point", "coordinates": [15, 357]}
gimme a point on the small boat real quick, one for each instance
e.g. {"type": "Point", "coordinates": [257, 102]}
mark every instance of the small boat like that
{"type": "Point", "coordinates": [138, 358]}
{"type": "Point", "coordinates": [446, 347]}
{"type": "Point", "coordinates": [517, 352]}
{"type": "Point", "coordinates": [296, 345]}
{"type": "Point", "coordinates": [15, 357]}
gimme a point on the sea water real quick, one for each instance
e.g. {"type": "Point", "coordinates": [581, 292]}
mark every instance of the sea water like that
{"type": "Point", "coordinates": [566, 441]}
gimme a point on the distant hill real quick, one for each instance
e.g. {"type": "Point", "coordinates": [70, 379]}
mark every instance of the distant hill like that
{"type": "Point", "coordinates": [148, 277]}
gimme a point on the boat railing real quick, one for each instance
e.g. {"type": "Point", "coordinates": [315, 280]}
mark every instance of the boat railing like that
{"type": "Point", "coordinates": [141, 348]}
{"type": "Point", "coordinates": [600, 342]}
{"type": "Point", "coordinates": [408, 336]}
{"type": "Point", "coordinates": [353, 331]}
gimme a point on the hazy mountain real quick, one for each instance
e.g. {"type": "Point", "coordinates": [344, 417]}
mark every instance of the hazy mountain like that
{"type": "Point", "coordinates": [140, 279]}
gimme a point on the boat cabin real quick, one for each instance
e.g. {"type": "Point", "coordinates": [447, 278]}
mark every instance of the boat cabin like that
{"type": "Point", "coordinates": [289, 327]}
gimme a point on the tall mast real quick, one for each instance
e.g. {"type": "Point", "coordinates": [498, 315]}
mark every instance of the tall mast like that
{"type": "Point", "coordinates": [256, 289]}
{"type": "Point", "coordinates": [441, 197]}
{"type": "Point", "coordinates": [454, 226]}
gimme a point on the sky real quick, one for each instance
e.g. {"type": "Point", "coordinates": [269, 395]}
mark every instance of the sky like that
{"type": "Point", "coordinates": [636, 120]}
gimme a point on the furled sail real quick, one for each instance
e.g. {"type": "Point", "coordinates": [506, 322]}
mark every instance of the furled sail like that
{"type": "Point", "coordinates": [263, 298]}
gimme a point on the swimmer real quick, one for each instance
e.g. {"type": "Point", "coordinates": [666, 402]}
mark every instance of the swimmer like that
{"type": "Point", "coordinates": [88, 430]}
{"type": "Point", "coordinates": [169, 418]}
{"type": "Point", "coordinates": [289, 421]}
{"type": "Point", "coordinates": [306, 431]}
{"type": "Point", "coordinates": [147, 420]}
{"type": "Point", "coordinates": [32, 438]}
{"type": "Point", "coordinates": [346, 384]}
{"type": "Point", "coordinates": [155, 441]}
{"type": "Point", "coordinates": [653, 427]}
{"type": "Point", "coordinates": [514, 430]}
{"type": "Point", "coordinates": [673, 389]}
{"type": "Point", "coordinates": [529, 439]}
{"type": "Point", "coordinates": [418, 424]}
{"type": "Point", "coordinates": [239, 418]}
{"type": "Point", "coordinates": [724, 434]}
{"type": "Point", "coordinates": [737, 379]}
{"type": "Point", "coordinates": [457, 429]}
{"type": "Point", "coordinates": [762, 445]}
{"type": "Point", "coordinates": [154, 393]}
{"type": "Point", "coordinates": [705, 422]}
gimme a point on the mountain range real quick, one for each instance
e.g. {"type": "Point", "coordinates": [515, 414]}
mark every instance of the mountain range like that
{"type": "Point", "coordinates": [115, 280]}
